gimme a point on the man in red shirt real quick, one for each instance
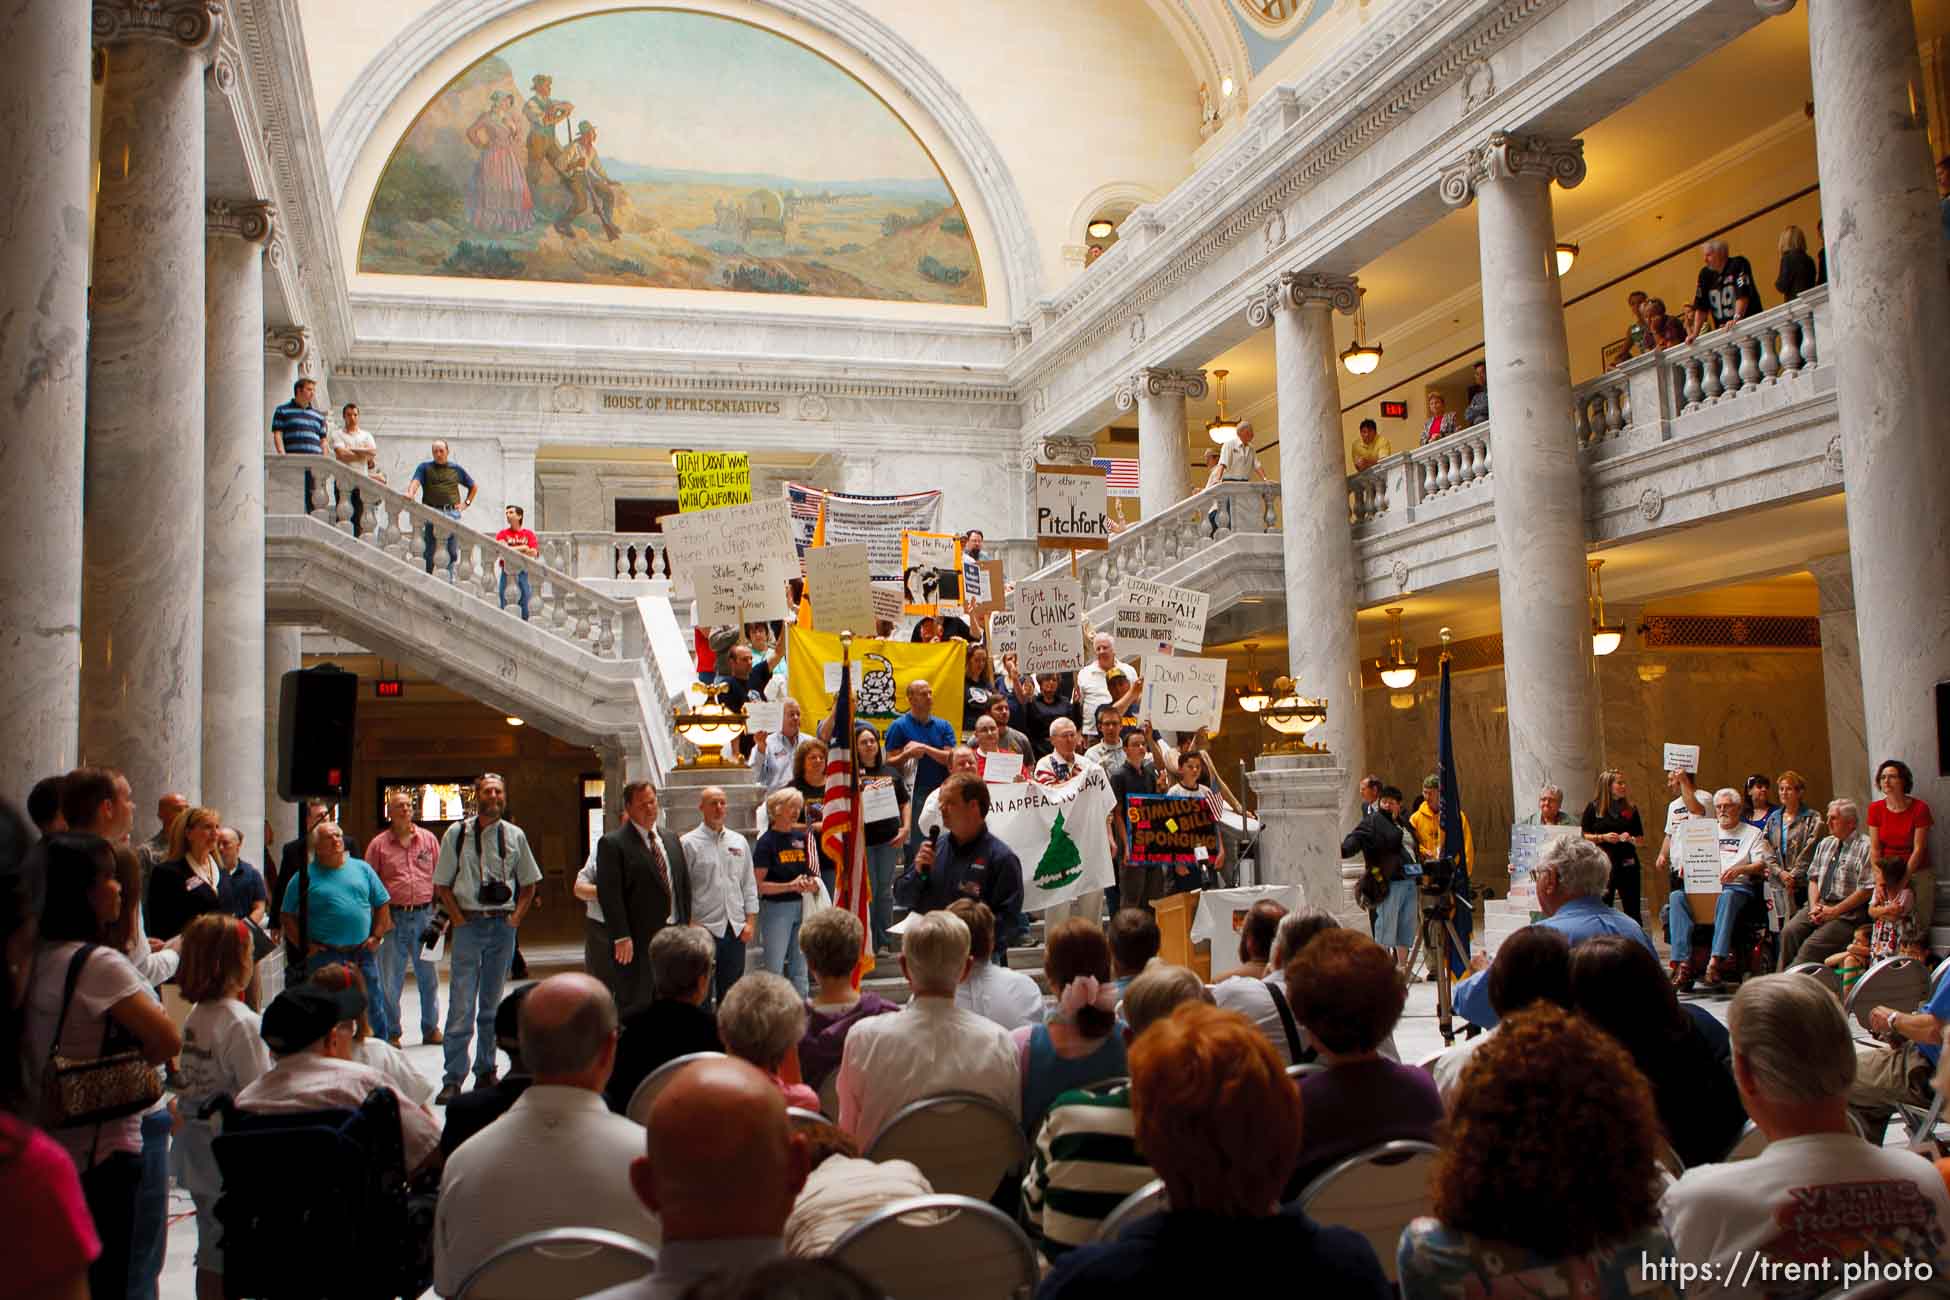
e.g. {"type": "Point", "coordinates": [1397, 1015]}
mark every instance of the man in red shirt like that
{"type": "Point", "coordinates": [404, 855]}
{"type": "Point", "coordinates": [517, 538]}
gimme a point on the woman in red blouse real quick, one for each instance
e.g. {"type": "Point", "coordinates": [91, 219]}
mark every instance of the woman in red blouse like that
{"type": "Point", "coordinates": [1899, 827]}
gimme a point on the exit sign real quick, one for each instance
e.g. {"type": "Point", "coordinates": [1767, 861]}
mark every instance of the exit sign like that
{"type": "Point", "coordinates": [1394, 410]}
{"type": "Point", "coordinates": [389, 688]}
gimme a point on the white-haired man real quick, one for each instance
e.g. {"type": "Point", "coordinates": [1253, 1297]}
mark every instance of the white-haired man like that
{"type": "Point", "coordinates": [1817, 1192]}
{"type": "Point", "coordinates": [1746, 857]}
{"type": "Point", "coordinates": [932, 1046]}
{"type": "Point", "coordinates": [1839, 885]}
{"type": "Point", "coordinates": [1065, 760]}
{"type": "Point", "coordinates": [1550, 809]}
{"type": "Point", "coordinates": [1726, 292]}
{"type": "Point", "coordinates": [1570, 875]}
{"type": "Point", "coordinates": [1094, 682]}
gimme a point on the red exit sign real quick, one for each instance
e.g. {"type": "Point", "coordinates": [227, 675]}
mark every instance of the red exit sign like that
{"type": "Point", "coordinates": [389, 688]}
{"type": "Point", "coordinates": [1394, 410]}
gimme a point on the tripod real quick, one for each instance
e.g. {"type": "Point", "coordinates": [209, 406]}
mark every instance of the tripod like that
{"type": "Point", "coordinates": [1437, 934]}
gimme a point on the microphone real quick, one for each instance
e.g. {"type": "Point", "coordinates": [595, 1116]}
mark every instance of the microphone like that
{"type": "Point", "coordinates": [934, 834]}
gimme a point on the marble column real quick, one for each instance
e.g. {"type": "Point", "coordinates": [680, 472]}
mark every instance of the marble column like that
{"type": "Point", "coordinates": [1841, 681]}
{"type": "Point", "coordinates": [43, 299]}
{"type": "Point", "coordinates": [1885, 337]}
{"type": "Point", "coordinates": [142, 593]}
{"type": "Point", "coordinates": [284, 650]}
{"type": "Point", "coordinates": [517, 480]}
{"type": "Point", "coordinates": [1300, 799]}
{"type": "Point", "coordinates": [1159, 396]}
{"type": "Point", "coordinates": [1553, 698]}
{"type": "Point", "coordinates": [1317, 541]}
{"type": "Point", "coordinates": [233, 514]}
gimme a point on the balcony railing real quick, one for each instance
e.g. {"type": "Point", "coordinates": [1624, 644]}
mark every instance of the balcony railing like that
{"type": "Point", "coordinates": [607, 557]}
{"type": "Point", "coordinates": [1149, 547]}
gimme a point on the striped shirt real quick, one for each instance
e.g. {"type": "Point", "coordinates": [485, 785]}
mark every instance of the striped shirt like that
{"type": "Point", "coordinates": [300, 429]}
{"type": "Point", "coordinates": [1086, 1162]}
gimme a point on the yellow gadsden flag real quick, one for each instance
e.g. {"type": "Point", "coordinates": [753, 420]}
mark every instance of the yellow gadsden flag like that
{"type": "Point", "coordinates": [884, 670]}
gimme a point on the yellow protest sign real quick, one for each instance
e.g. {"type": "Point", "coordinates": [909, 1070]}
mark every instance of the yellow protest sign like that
{"type": "Point", "coordinates": [882, 672]}
{"type": "Point", "coordinates": [709, 479]}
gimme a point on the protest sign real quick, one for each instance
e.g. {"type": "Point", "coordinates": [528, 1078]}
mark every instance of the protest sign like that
{"type": "Point", "coordinates": [842, 598]}
{"type": "Point", "coordinates": [764, 715]}
{"type": "Point", "coordinates": [822, 518]}
{"type": "Point", "coordinates": [1182, 693]}
{"type": "Point", "coordinates": [1002, 635]}
{"type": "Point", "coordinates": [709, 479]}
{"type": "Point", "coordinates": [1679, 758]}
{"type": "Point", "coordinates": [878, 802]}
{"type": "Point", "coordinates": [1049, 625]}
{"type": "Point", "coordinates": [1061, 834]}
{"type": "Point", "coordinates": [930, 572]}
{"type": "Point", "coordinates": [1137, 631]}
{"type": "Point", "coordinates": [1697, 854]}
{"type": "Point", "coordinates": [1168, 830]}
{"type": "Point", "coordinates": [1004, 765]}
{"type": "Point", "coordinates": [886, 602]}
{"type": "Point", "coordinates": [985, 596]}
{"type": "Point", "coordinates": [1070, 508]}
{"type": "Point", "coordinates": [761, 531]}
{"type": "Point", "coordinates": [1187, 608]}
{"type": "Point", "coordinates": [739, 591]}
{"type": "Point", "coordinates": [1526, 842]}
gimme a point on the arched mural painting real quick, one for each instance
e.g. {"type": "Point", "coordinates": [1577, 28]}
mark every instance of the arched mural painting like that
{"type": "Point", "coordinates": [667, 149]}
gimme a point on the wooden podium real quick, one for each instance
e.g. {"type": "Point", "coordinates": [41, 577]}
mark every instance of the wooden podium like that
{"type": "Point", "coordinates": [1175, 914]}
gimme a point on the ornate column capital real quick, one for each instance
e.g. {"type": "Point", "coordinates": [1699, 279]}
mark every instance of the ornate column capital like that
{"type": "Point", "coordinates": [1295, 289]}
{"type": "Point", "coordinates": [1062, 449]}
{"type": "Point", "coordinates": [292, 342]}
{"type": "Point", "coordinates": [1505, 156]}
{"type": "Point", "coordinates": [248, 219]}
{"type": "Point", "coordinates": [192, 24]}
{"type": "Point", "coordinates": [1158, 382]}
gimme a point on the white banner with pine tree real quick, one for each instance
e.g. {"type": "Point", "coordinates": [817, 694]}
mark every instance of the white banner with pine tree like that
{"type": "Point", "coordinates": [1060, 832]}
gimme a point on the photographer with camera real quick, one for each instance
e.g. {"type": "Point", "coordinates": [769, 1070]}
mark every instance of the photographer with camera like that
{"type": "Point", "coordinates": [485, 880]}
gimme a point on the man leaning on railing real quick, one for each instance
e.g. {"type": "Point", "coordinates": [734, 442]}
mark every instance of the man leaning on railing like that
{"type": "Point", "coordinates": [298, 429]}
{"type": "Point", "coordinates": [438, 483]}
{"type": "Point", "coordinates": [1237, 463]}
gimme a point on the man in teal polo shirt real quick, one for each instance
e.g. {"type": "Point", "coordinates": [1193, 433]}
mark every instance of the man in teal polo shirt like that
{"type": "Point", "coordinates": [345, 913]}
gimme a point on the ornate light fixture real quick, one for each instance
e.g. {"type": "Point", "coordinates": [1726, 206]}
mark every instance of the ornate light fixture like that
{"type": "Point", "coordinates": [1398, 671]}
{"type": "Point", "coordinates": [1293, 716]}
{"type": "Point", "coordinates": [709, 726]}
{"type": "Point", "coordinates": [513, 721]}
{"type": "Point", "coordinates": [1361, 357]}
{"type": "Point", "coordinates": [1605, 637]}
{"type": "Point", "coordinates": [1252, 697]}
{"type": "Point", "coordinates": [1567, 256]}
{"type": "Point", "coordinates": [1101, 228]}
{"type": "Point", "coordinates": [1219, 428]}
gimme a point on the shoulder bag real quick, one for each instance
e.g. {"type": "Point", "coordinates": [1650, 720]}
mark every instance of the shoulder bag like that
{"type": "Point", "coordinates": [117, 1082]}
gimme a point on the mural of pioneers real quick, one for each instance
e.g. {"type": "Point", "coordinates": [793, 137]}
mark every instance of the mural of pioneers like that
{"type": "Point", "coordinates": [670, 150]}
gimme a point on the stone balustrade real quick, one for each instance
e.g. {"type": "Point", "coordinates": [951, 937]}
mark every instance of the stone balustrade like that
{"type": "Point", "coordinates": [607, 557]}
{"type": "Point", "coordinates": [406, 530]}
{"type": "Point", "coordinates": [1199, 523]}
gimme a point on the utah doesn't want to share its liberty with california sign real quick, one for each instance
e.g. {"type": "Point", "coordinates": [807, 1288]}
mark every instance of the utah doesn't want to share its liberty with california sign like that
{"type": "Point", "coordinates": [662, 149]}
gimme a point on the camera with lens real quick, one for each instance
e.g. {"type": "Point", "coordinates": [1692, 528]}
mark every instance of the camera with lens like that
{"type": "Point", "coordinates": [494, 893]}
{"type": "Point", "coordinates": [436, 926]}
{"type": "Point", "coordinates": [1438, 875]}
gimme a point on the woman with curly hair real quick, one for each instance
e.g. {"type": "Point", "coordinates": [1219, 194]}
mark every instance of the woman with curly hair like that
{"type": "Point", "coordinates": [1546, 1183]}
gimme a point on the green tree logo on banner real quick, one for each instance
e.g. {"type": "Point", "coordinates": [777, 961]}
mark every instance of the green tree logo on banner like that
{"type": "Point", "coordinates": [1062, 863]}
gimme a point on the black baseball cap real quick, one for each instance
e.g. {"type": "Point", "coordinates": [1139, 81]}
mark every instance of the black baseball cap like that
{"type": "Point", "coordinates": [299, 1017]}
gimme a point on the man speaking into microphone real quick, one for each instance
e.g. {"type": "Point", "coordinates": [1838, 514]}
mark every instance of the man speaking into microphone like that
{"type": "Point", "coordinates": [967, 862]}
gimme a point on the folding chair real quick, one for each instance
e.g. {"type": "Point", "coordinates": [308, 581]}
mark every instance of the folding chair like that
{"type": "Point", "coordinates": [941, 1247]}
{"type": "Point", "coordinates": [1668, 1159]}
{"type": "Point", "coordinates": [1900, 982]}
{"type": "Point", "coordinates": [1301, 1071]}
{"type": "Point", "coordinates": [658, 1079]}
{"type": "Point", "coordinates": [1827, 974]}
{"type": "Point", "coordinates": [962, 1143]}
{"type": "Point", "coordinates": [1749, 1144]}
{"type": "Point", "coordinates": [1376, 1192]}
{"type": "Point", "coordinates": [1146, 1201]}
{"type": "Point", "coordinates": [558, 1264]}
{"type": "Point", "coordinates": [805, 1121]}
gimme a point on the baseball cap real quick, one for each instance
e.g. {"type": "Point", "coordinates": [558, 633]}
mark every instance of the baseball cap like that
{"type": "Point", "coordinates": [299, 1017]}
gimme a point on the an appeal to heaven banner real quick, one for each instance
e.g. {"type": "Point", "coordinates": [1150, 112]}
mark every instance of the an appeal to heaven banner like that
{"type": "Point", "coordinates": [830, 518]}
{"type": "Point", "coordinates": [1059, 832]}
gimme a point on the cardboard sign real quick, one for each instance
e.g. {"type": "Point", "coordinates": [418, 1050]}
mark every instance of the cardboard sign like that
{"type": "Point", "coordinates": [1002, 635]}
{"type": "Point", "coordinates": [1182, 693]}
{"type": "Point", "coordinates": [842, 596]}
{"type": "Point", "coordinates": [739, 591]}
{"type": "Point", "coordinates": [930, 572]}
{"type": "Point", "coordinates": [1679, 758]}
{"type": "Point", "coordinates": [1071, 508]}
{"type": "Point", "coordinates": [1049, 625]}
{"type": "Point", "coordinates": [1137, 631]}
{"type": "Point", "coordinates": [1168, 830]}
{"type": "Point", "coordinates": [1003, 766]}
{"type": "Point", "coordinates": [886, 603]}
{"type": "Point", "coordinates": [1697, 854]}
{"type": "Point", "coordinates": [1526, 842]}
{"type": "Point", "coordinates": [989, 596]}
{"type": "Point", "coordinates": [878, 802]}
{"type": "Point", "coordinates": [831, 675]}
{"type": "Point", "coordinates": [1186, 606]}
{"type": "Point", "coordinates": [759, 531]}
{"type": "Point", "coordinates": [764, 715]}
{"type": "Point", "coordinates": [709, 479]}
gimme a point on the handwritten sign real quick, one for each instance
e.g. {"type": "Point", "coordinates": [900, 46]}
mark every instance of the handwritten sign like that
{"type": "Point", "coordinates": [1070, 508]}
{"type": "Point", "coordinates": [764, 715]}
{"type": "Point", "coordinates": [886, 602]}
{"type": "Point", "coordinates": [842, 596]}
{"type": "Point", "coordinates": [1183, 693]}
{"type": "Point", "coordinates": [930, 572]}
{"type": "Point", "coordinates": [709, 479]}
{"type": "Point", "coordinates": [1698, 854]}
{"type": "Point", "coordinates": [1186, 606]}
{"type": "Point", "coordinates": [1003, 766]}
{"type": "Point", "coordinates": [878, 802]}
{"type": "Point", "coordinates": [739, 591]}
{"type": "Point", "coordinates": [759, 531]}
{"type": "Point", "coordinates": [988, 596]}
{"type": "Point", "coordinates": [1169, 830]}
{"type": "Point", "coordinates": [1049, 625]}
{"type": "Point", "coordinates": [1679, 758]}
{"type": "Point", "coordinates": [1137, 631]}
{"type": "Point", "coordinates": [831, 675]}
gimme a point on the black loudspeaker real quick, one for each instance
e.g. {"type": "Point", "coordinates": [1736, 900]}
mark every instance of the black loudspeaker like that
{"type": "Point", "coordinates": [315, 711]}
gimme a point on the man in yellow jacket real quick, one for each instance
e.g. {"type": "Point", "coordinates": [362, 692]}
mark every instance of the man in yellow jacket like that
{"type": "Point", "coordinates": [1427, 822]}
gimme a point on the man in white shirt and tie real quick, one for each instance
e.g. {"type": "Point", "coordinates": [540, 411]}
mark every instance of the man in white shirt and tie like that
{"type": "Point", "coordinates": [724, 892]}
{"type": "Point", "coordinates": [771, 760]}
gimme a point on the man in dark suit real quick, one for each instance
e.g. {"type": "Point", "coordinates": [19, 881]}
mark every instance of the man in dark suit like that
{"type": "Point", "coordinates": [643, 882]}
{"type": "Point", "coordinates": [296, 852]}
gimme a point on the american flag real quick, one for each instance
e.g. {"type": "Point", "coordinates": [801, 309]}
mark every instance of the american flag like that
{"type": "Point", "coordinates": [839, 836]}
{"type": "Point", "coordinates": [1216, 802]}
{"type": "Point", "coordinates": [1121, 477]}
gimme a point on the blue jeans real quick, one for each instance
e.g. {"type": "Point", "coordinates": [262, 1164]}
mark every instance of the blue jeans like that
{"type": "Point", "coordinates": [149, 1237]}
{"type": "Point", "coordinates": [1395, 921]}
{"type": "Point", "coordinates": [453, 548]}
{"type": "Point", "coordinates": [401, 943]}
{"type": "Point", "coordinates": [882, 859]}
{"type": "Point", "coordinates": [483, 949]}
{"type": "Point", "coordinates": [729, 965]}
{"type": "Point", "coordinates": [367, 963]}
{"type": "Point", "coordinates": [1734, 899]}
{"type": "Point", "coordinates": [521, 584]}
{"type": "Point", "coordinates": [778, 931]}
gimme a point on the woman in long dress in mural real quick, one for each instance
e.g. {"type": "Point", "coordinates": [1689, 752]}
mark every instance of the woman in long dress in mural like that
{"type": "Point", "coordinates": [498, 200]}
